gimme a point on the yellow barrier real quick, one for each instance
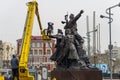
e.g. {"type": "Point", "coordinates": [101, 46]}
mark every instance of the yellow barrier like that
{"type": "Point", "coordinates": [1, 77]}
{"type": "Point", "coordinates": [54, 78]}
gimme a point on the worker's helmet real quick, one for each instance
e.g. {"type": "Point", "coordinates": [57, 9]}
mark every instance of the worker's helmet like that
{"type": "Point", "coordinates": [50, 23]}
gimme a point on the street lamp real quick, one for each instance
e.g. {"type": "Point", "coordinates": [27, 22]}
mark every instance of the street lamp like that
{"type": "Point", "coordinates": [108, 11]}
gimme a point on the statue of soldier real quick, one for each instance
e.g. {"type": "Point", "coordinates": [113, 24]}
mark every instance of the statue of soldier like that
{"type": "Point", "coordinates": [66, 54]}
{"type": "Point", "coordinates": [78, 41]}
{"type": "Point", "coordinates": [70, 50]}
{"type": "Point", "coordinates": [59, 56]}
{"type": "Point", "coordinates": [72, 25]}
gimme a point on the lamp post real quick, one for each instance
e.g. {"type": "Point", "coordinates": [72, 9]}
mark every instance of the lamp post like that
{"type": "Point", "coordinates": [108, 11]}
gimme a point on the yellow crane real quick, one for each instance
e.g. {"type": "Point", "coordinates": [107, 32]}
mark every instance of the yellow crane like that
{"type": "Point", "coordinates": [26, 39]}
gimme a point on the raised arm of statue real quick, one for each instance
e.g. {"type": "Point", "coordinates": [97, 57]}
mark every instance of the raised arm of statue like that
{"type": "Point", "coordinates": [77, 16]}
{"type": "Point", "coordinates": [66, 18]}
{"type": "Point", "coordinates": [56, 36]}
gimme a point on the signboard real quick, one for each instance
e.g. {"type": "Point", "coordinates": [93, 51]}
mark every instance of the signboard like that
{"type": "Point", "coordinates": [102, 67]}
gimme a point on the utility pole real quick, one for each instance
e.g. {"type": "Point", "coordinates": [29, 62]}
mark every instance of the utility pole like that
{"type": "Point", "coordinates": [88, 36]}
{"type": "Point", "coordinates": [98, 38]}
{"type": "Point", "coordinates": [94, 39]}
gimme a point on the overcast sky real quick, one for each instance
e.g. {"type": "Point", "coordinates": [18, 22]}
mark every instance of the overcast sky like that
{"type": "Point", "coordinates": [13, 15]}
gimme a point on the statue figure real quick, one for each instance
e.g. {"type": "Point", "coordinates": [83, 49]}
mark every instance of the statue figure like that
{"type": "Point", "coordinates": [58, 55]}
{"type": "Point", "coordinates": [66, 54]}
{"type": "Point", "coordinates": [72, 25]}
{"type": "Point", "coordinates": [59, 37]}
{"type": "Point", "coordinates": [69, 52]}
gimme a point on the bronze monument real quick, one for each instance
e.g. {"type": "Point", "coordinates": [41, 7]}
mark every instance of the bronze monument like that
{"type": "Point", "coordinates": [72, 61]}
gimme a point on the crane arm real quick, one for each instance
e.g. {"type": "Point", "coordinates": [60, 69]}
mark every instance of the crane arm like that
{"type": "Point", "coordinates": [26, 39]}
{"type": "Point", "coordinates": [23, 63]}
{"type": "Point", "coordinates": [38, 18]}
{"type": "Point", "coordinates": [43, 32]}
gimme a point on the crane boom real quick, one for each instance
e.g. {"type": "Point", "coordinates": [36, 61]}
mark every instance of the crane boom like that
{"type": "Point", "coordinates": [23, 63]}
{"type": "Point", "coordinates": [26, 39]}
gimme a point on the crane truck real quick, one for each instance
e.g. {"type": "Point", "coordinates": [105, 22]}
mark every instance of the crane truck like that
{"type": "Point", "coordinates": [26, 39]}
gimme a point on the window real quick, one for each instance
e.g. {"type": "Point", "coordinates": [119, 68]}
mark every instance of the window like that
{"type": "Point", "coordinates": [115, 51]}
{"type": "Point", "coordinates": [41, 59]}
{"type": "Point", "coordinates": [33, 44]}
{"type": "Point", "coordinates": [30, 60]}
{"type": "Point", "coordinates": [40, 52]}
{"type": "Point", "coordinates": [31, 52]}
{"type": "Point", "coordinates": [36, 44]}
{"type": "Point", "coordinates": [48, 59]}
{"type": "Point", "coordinates": [35, 59]}
{"type": "Point", "coordinates": [48, 52]}
{"type": "Point", "coordinates": [35, 52]}
{"type": "Point", "coordinates": [40, 44]}
{"type": "Point", "coordinates": [48, 45]}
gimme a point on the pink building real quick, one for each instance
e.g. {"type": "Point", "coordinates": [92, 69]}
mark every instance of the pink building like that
{"type": "Point", "coordinates": [40, 52]}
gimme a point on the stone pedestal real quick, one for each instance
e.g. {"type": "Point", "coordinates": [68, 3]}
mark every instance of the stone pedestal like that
{"type": "Point", "coordinates": [76, 75]}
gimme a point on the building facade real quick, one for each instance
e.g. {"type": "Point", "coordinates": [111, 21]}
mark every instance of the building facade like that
{"type": "Point", "coordinates": [116, 52]}
{"type": "Point", "coordinates": [115, 58]}
{"type": "Point", "coordinates": [1, 54]}
{"type": "Point", "coordinates": [40, 52]}
{"type": "Point", "coordinates": [8, 49]}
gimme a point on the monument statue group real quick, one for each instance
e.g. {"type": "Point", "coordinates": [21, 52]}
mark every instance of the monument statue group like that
{"type": "Point", "coordinates": [69, 52]}
{"type": "Point", "coordinates": [72, 61]}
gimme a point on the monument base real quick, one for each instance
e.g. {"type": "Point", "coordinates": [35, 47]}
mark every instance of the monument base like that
{"type": "Point", "coordinates": [76, 75]}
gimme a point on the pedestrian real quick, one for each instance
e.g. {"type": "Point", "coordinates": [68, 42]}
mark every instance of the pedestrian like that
{"type": "Point", "coordinates": [14, 66]}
